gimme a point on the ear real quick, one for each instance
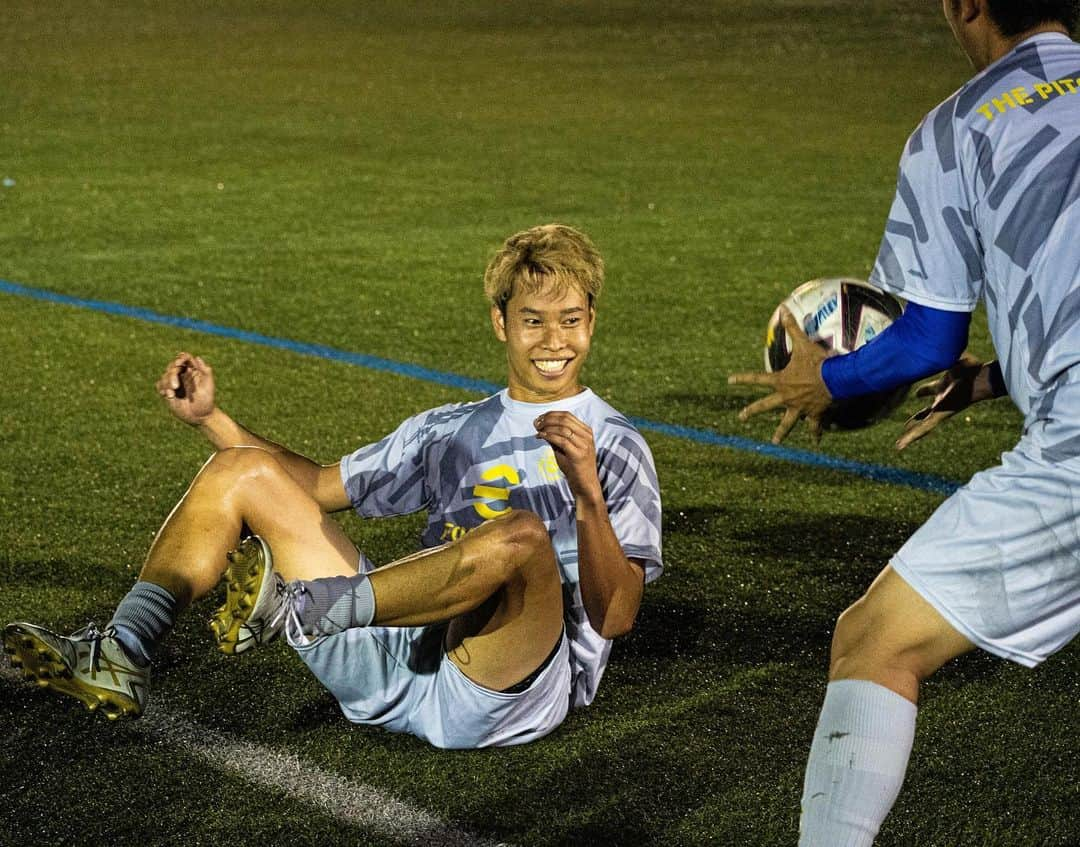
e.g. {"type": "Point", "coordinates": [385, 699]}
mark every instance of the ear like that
{"type": "Point", "coordinates": [592, 320]}
{"type": "Point", "coordinates": [498, 323]}
{"type": "Point", "coordinates": [971, 9]}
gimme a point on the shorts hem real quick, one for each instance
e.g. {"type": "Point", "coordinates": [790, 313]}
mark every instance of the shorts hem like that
{"type": "Point", "coordinates": [911, 577]}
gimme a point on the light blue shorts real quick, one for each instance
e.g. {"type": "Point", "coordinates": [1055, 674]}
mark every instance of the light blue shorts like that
{"type": "Point", "coordinates": [1000, 559]}
{"type": "Point", "coordinates": [400, 678]}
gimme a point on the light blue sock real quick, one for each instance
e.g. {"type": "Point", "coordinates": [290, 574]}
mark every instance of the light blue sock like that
{"type": "Point", "coordinates": [143, 619]}
{"type": "Point", "coordinates": [857, 764]}
{"type": "Point", "coordinates": [334, 604]}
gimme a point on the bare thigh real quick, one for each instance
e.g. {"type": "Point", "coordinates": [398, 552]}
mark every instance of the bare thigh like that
{"type": "Point", "coordinates": [306, 542]}
{"type": "Point", "coordinates": [500, 589]}
{"type": "Point", "coordinates": [237, 487]}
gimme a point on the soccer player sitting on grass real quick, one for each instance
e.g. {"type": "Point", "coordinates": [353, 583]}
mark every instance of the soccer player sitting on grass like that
{"type": "Point", "coordinates": [985, 209]}
{"type": "Point", "coordinates": [547, 496]}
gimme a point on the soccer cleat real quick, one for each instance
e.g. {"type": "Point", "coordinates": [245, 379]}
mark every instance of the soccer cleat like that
{"type": "Point", "coordinates": [254, 599]}
{"type": "Point", "coordinates": [89, 665]}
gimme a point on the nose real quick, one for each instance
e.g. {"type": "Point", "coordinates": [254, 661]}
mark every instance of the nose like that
{"type": "Point", "coordinates": [553, 337]}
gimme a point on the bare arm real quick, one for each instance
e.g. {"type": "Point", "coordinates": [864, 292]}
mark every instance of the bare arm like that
{"type": "Point", "coordinates": [187, 386]}
{"type": "Point", "coordinates": [611, 583]}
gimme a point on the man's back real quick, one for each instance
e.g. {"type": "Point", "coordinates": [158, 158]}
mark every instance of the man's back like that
{"type": "Point", "coordinates": [986, 209]}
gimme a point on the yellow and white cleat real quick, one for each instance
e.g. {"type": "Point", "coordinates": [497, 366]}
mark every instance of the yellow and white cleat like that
{"type": "Point", "coordinates": [89, 665]}
{"type": "Point", "coordinates": [254, 609]}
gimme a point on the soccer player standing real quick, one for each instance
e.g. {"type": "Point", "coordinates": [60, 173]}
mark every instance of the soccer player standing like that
{"type": "Point", "coordinates": [543, 526]}
{"type": "Point", "coordinates": [985, 209]}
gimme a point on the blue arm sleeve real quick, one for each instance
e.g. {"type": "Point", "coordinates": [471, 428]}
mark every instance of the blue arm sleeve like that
{"type": "Point", "coordinates": [922, 341]}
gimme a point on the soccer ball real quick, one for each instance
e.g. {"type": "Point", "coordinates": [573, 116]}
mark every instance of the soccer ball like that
{"type": "Point", "coordinates": [841, 315]}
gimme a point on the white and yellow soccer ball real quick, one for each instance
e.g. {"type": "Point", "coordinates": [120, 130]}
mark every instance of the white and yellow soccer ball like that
{"type": "Point", "coordinates": [840, 314]}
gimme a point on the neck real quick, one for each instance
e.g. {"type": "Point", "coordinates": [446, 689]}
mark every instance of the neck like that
{"type": "Point", "coordinates": [997, 46]}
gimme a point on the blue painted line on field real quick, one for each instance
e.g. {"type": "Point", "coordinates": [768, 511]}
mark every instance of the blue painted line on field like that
{"type": "Point", "coordinates": [879, 473]}
{"type": "Point", "coordinates": [319, 350]}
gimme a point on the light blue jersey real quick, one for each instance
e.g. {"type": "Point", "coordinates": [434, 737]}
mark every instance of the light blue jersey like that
{"type": "Point", "coordinates": [985, 209]}
{"type": "Point", "coordinates": [467, 463]}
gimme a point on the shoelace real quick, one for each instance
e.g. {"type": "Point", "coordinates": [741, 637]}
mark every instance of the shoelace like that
{"type": "Point", "coordinates": [95, 635]}
{"type": "Point", "coordinates": [291, 595]}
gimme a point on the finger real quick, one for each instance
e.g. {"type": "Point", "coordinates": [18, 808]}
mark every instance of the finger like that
{"type": "Point", "coordinates": [564, 432]}
{"type": "Point", "coordinates": [814, 425]}
{"type": "Point", "coordinates": [169, 381]}
{"type": "Point", "coordinates": [561, 444]}
{"type": "Point", "coordinates": [567, 422]}
{"type": "Point", "coordinates": [921, 428]}
{"type": "Point", "coordinates": [751, 379]}
{"type": "Point", "coordinates": [929, 388]}
{"type": "Point", "coordinates": [791, 325]}
{"type": "Point", "coordinates": [182, 360]}
{"type": "Point", "coordinates": [917, 418]}
{"type": "Point", "coordinates": [189, 379]}
{"type": "Point", "coordinates": [765, 404]}
{"type": "Point", "coordinates": [787, 423]}
{"type": "Point", "coordinates": [176, 375]}
{"type": "Point", "coordinates": [566, 435]}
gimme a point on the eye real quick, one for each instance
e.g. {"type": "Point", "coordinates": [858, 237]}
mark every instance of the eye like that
{"type": "Point", "coordinates": [572, 321]}
{"type": "Point", "coordinates": [532, 321]}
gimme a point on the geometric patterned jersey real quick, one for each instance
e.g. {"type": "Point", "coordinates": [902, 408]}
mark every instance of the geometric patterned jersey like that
{"type": "Point", "coordinates": [465, 463]}
{"type": "Point", "coordinates": [985, 209]}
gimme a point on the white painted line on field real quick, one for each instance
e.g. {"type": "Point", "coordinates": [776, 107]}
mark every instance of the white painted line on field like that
{"type": "Point", "coordinates": [344, 799]}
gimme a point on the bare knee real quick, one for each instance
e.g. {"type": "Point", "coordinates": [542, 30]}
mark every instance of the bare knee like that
{"type": "Point", "coordinates": [522, 529]}
{"type": "Point", "coordinates": [518, 545]}
{"type": "Point", "coordinates": [233, 467]}
{"type": "Point", "coordinates": [853, 637]}
{"type": "Point", "coordinates": [891, 635]}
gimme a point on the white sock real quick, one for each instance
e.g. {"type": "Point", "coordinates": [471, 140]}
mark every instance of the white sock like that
{"type": "Point", "coordinates": [857, 763]}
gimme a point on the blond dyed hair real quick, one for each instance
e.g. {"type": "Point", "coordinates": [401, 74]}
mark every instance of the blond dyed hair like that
{"type": "Point", "coordinates": [552, 253]}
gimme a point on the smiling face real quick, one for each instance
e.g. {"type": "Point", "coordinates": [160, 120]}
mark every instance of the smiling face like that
{"type": "Point", "coordinates": [547, 335]}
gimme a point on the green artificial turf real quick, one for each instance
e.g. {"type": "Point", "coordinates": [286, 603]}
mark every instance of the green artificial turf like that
{"type": "Point", "coordinates": [339, 173]}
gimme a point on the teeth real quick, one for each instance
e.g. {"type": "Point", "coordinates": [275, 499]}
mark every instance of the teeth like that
{"type": "Point", "coordinates": [550, 366]}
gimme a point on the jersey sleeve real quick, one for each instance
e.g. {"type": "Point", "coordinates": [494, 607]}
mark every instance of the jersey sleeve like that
{"type": "Point", "coordinates": [930, 253]}
{"type": "Point", "coordinates": [388, 477]}
{"type": "Point", "coordinates": [632, 493]}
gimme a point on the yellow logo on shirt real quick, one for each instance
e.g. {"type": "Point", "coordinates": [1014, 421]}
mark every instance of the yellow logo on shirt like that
{"type": "Point", "coordinates": [548, 467]}
{"type": "Point", "coordinates": [494, 499]}
{"type": "Point", "coordinates": [1021, 96]}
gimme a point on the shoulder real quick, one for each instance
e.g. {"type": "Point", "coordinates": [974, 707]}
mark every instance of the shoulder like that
{"type": "Point", "coordinates": [1018, 85]}
{"type": "Point", "coordinates": [607, 422]}
{"type": "Point", "coordinates": [452, 415]}
{"type": "Point", "coordinates": [618, 440]}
